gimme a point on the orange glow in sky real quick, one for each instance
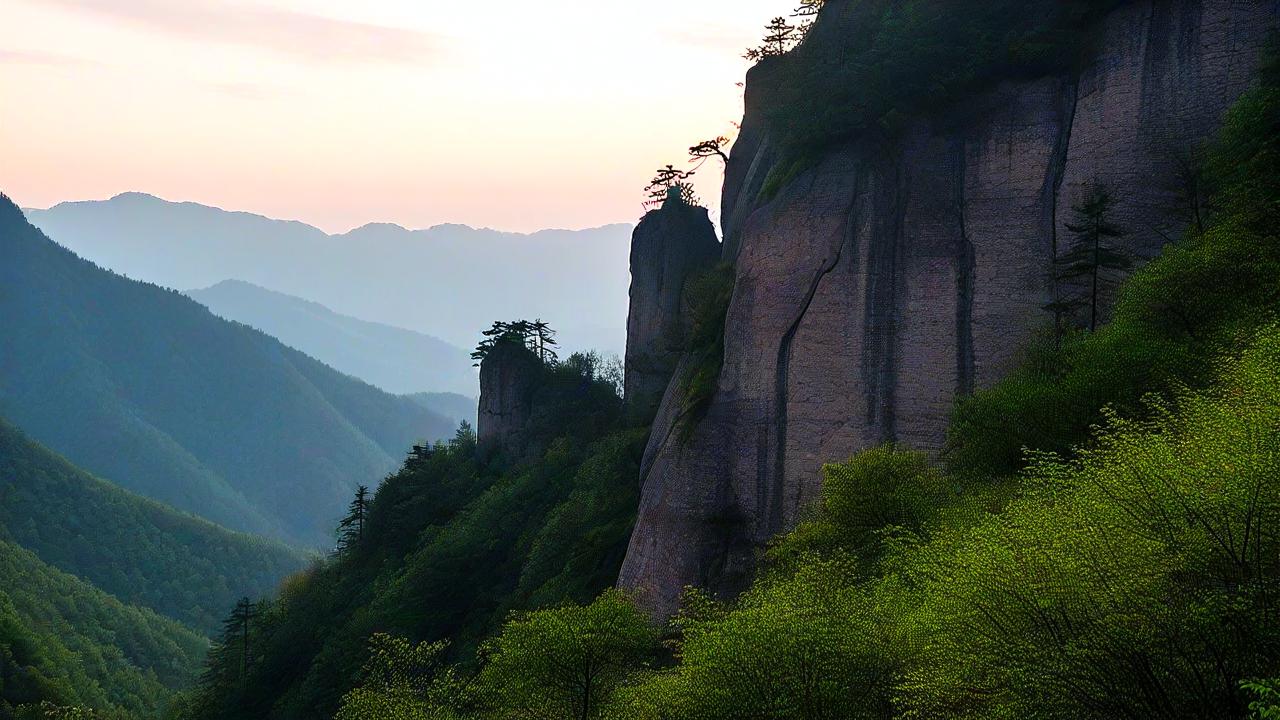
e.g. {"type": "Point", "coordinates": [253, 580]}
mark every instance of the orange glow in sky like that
{"type": "Point", "coordinates": [507, 113]}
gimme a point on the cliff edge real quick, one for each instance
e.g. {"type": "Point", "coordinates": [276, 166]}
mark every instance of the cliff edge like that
{"type": "Point", "coordinates": [878, 285]}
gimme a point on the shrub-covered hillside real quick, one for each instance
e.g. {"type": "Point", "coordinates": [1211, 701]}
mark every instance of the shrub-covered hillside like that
{"type": "Point", "coordinates": [138, 550]}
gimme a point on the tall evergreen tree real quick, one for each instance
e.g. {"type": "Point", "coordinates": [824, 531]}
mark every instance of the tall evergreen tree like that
{"type": "Point", "coordinates": [351, 528]}
{"type": "Point", "coordinates": [544, 341]}
{"type": "Point", "coordinates": [1092, 252]}
{"type": "Point", "coordinates": [780, 35]}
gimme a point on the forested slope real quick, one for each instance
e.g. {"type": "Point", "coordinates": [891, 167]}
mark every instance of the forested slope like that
{"type": "Point", "coordinates": [452, 543]}
{"type": "Point", "coordinates": [138, 550]}
{"type": "Point", "coordinates": [65, 642]}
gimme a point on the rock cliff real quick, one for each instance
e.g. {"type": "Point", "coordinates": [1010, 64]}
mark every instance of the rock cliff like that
{"type": "Point", "coordinates": [877, 286]}
{"type": "Point", "coordinates": [509, 377]}
{"type": "Point", "coordinates": [669, 245]}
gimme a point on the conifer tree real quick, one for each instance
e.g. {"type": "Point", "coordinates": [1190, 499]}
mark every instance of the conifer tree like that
{"type": "Point", "coordinates": [780, 36]}
{"type": "Point", "coordinates": [543, 340]}
{"type": "Point", "coordinates": [232, 651]}
{"type": "Point", "coordinates": [1092, 253]}
{"type": "Point", "coordinates": [351, 528]}
{"type": "Point", "coordinates": [666, 178]}
{"type": "Point", "coordinates": [708, 149]}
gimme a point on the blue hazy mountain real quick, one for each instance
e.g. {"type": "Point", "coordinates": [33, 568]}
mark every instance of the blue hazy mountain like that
{"type": "Point", "coordinates": [395, 359]}
{"type": "Point", "coordinates": [448, 281]}
{"type": "Point", "coordinates": [146, 388]}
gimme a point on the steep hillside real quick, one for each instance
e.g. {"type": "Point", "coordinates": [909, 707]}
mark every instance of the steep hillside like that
{"type": "Point", "coordinates": [145, 388]}
{"type": "Point", "coordinates": [428, 280]}
{"type": "Point", "coordinates": [895, 209]}
{"type": "Point", "coordinates": [140, 551]}
{"type": "Point", "coordinates": [66, 642]}
{"type": "Point", "coordinates": [453, 542]}
{"type": "Point", "coordinates": [396, 360]}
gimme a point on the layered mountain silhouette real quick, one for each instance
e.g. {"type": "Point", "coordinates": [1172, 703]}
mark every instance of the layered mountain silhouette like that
{"type": "Point", "coordinates": [146, 388]}
{"type": "Point", "coordinates": [449, 281]}
{"type": "Point", "coordinates": [394, 359]}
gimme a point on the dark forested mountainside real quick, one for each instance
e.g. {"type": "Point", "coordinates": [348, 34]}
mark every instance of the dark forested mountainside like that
{"type": "Point", "coordinates": [145, 388]}
{"type": "Point", "coordinates": [138, 550]}
{"type": "Point", "coordinates": [450, 544]}
{"type": "Point", "coordinates": [65, 642]}
{"type": "Point", "coordinates": [394, 359]}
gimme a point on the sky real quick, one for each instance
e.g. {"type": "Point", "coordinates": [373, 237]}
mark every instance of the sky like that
{"type": "Point", "coordinates": [509, 114]}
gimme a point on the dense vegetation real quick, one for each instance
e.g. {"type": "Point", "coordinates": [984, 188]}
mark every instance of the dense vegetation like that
{"type": "Point", "coordinates": [867, 67]}
{"type": "Point", "coordinates": [451, 543]}
{"type": "Point", "coordinates": [1122, 562]}
{"type": "Point", "coordinates": [147, 389]}
{"type": "Point", "coordinates": [137, 550]}
{"type": "Point", "coordinates": [65, 642]}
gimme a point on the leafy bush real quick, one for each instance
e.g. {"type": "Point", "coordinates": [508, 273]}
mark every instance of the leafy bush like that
{"type": "Point", "coordinates": [565, 661]}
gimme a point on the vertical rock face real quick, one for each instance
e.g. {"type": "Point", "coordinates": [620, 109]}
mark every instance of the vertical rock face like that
{"type": "Point", "coordinates": [874, 289]}
{"type": "Point", "coordinates": [669, 246]}
{"type": "Point", "coordinates": [509, 376]}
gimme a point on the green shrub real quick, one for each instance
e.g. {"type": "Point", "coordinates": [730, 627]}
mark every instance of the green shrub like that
{"type": "Point", "coordinates": [707, 296]}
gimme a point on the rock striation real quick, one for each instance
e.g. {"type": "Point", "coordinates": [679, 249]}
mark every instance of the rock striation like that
{"type": "Point", "coordinates": [875, 288]}
{"type": "Point", "coordinates": [669, 246]}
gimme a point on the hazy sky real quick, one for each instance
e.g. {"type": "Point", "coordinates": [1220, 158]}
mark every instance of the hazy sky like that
{"type": "Point", "coordinates": [507, 113]}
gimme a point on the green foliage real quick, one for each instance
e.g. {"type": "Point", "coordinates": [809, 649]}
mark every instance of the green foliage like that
{"type": "Point", "coordinates": [1135, 581]}
{"type": "Point", "coordinates": [813, 645]}
{"type": "Point", "coordinates": [864, 501]}
{"type": "Point", "coordinates": [452, 544]}
{"type": "Point", "coordinates": [707, 296]}
{"type": "Point", "coordinates": [66, 643]}
{"type": "Point", "coordinates": [145, 388]}
{"type": "Point", "coordinates": [1266, 702]}
{"type": "Point", "coordinates": [1092, 260]}
{"type": "Point", "coordinates": [403, 681]}
{"type": "Point", "coordinates": [1200, 298]}
{"type": "Point", "coordinates": [137, 550]}
{"type": "Point", "coordinates": [866, 67]}
{"type": "Point", "coordinates": [565, 662]}
{"type": "Point", "coordinates": [1132, 574]}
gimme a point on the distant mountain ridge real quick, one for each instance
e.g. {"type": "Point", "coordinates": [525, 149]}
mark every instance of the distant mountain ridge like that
{"type": "Point", "coordinates": [449, 281]}
{"type": "Point", "coordinates": [394, 359]}
{"type": "Point", "coordinates": [146, 388]}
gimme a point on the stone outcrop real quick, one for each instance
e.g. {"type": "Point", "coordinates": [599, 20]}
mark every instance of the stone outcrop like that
{"type": "Point", "coordinates": [509, 377]}
{"type": "Point", "coordinates": [669, 246]}
{"type": "Point", "coordinates": [875, 288]}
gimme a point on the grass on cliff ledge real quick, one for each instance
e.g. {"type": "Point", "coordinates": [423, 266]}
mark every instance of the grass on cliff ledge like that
{"type": "Point", "coordinates": [707, 296]}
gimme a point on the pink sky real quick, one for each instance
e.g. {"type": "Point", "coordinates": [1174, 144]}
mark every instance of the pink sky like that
{"type": "Point", "coordinates": [507, 114]}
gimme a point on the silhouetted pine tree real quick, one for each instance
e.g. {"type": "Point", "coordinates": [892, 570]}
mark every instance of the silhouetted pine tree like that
{"type": "Point", "coordinates": [351, 528]}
